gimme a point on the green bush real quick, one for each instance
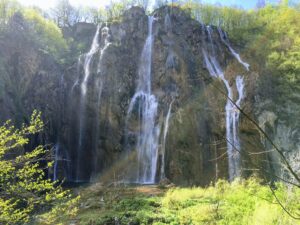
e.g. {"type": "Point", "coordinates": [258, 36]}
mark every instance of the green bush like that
{"type": "Point", "coordinates": [26, 196]}
{"type": "Point", "coordinates": [46, 33]}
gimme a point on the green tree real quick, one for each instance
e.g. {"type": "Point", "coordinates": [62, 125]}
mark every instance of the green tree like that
{"type": "Point", "coordinates": [64, 14]}
{"type": "Point", "coordinates": [25, 195]}
{"type": "Point", "coordinates": [45, 32]}
{"type": "Point", "coordinates": [7, 9]}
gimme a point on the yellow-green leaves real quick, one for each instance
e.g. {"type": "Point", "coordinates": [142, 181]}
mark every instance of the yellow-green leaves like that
{"type": "Point", "coordinates": [24, 189]}
{"type": "Point", "coordinates": [45, 32]}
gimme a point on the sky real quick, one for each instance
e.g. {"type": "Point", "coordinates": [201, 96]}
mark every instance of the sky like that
{"type": "Point", "coordinates": [46, 4]}
{"type": "Point", "coordinates": [247, 4]}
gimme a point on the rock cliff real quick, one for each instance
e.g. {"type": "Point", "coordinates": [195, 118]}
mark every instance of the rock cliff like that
{"type": "Point", "coordinates": [92, 133]}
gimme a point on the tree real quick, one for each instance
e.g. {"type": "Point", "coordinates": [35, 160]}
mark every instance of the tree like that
{"type": "Point", "coordinates": [115, 10]}
{"type": "Point", "coordinates": [7, 9]}
{"type": "Point", "coordinates": [24, 190]}
{"type": "Point", "coordinates": [45, 32]}
{"type": "Point", "coordinates": [64, 14]}
{"type": "Point", "coordinates": [144, 3]}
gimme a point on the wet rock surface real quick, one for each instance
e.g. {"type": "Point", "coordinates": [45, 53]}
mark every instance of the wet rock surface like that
{"type": "Point", "coordinates": [195, 145]}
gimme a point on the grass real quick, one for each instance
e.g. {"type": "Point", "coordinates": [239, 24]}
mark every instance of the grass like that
{"type": "Point", "coordinates": [237, 203]}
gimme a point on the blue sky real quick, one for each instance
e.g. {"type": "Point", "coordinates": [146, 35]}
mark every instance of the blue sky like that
{"type": "Point", "coordinates": [245, 4]}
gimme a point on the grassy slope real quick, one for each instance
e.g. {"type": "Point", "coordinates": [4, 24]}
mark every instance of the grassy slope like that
{"type": "Point", "coordinates": [245, 202]}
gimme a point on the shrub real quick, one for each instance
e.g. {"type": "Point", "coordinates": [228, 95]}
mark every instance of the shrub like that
{"type": "Point", "coordinates": [25, 194]}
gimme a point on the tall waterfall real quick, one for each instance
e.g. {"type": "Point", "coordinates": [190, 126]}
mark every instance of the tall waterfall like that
{"type": "Point", "coordinates": [96, 48]}
{"type": "Point", "coordinates": [87, 61]}
{"type": "Point", "coordinates": [82, 107]}
{"type": "Point", "coordinates": [56, 159]}
{"type": "Point", "coordinates": [224, 39]}
{"type": "Point", "coordinates": [147, 105]}
{"type": "Point", "coordinates": [99, 86]}
{"type": "Point", "coordinates": [236, 170]}
{"type": "Point", "coordinates": [232, 113]}
{"type": "Point", "coordinates": [166, 129]}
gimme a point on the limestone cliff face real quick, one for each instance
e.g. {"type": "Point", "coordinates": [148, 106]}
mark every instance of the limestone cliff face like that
{"type": "Point", "coordinates": [195, 145]}
{"type": "Point", "coordinates": [281, 124]}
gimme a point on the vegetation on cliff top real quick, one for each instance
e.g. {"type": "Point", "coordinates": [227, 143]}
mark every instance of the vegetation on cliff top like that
{"type": "Point", "coordinates": [269, 35]}
{"type": "Point", "coordinates": [270, 40]}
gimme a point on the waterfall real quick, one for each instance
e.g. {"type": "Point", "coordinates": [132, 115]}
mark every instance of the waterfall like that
{"type": "Point", "coordinates": [99, 87]}
{"type": "Point", "coordinates": [61, 162]}
{"type": "Point", "coordinates": [166, 129]}
{"type": "Point", "coordinates": [76, 83]}
{"type": "Point", "coordinates": [97, 47]}
{"type": "Point", "coordinates": [86, 68]}
{"type": "Point", "coordinates": [148, 135]}
{"type": "Point", "coordinates": [240, 89]}
{"type": "Point", "coordinates": [87, 61]}
{"type": "Point", "coordinates": [168, 23]}
{"type": "Point", "coordinates": [57, 147]}
{"type": "Point", "coordinates": [82, 107]}
{"type": "Point", "coordinates": [224, 39]}
{"type": "Point", "coordinates": [234, 146]}
{"type": "Point", "coordinates": [212, 47]}
{"type": "Point", "coordinates": [208, 64]}
{"type": "Point", "coordinates": [56, 159]}
{"type": "Point", "coordinates": [232, 113]}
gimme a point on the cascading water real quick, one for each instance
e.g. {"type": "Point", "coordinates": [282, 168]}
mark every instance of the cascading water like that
{"type": "Point", "coordinates": [148, 135]}
{"type": "Point", "coordinates": [99, 86]}
{"type": "Point", "coordinates": [234, 145]}
{"type": "Point", "coordinates": [166, 128]}
{"type": "Point", "coordinates": [104, 36]}
{"type": "Point", "coordinates": [208, 64]}
{"type": "Point", "coordinates": [168, 23]}
{"type": "Point", "coordinates": [209, 32]}
{"type": "Point", "coordinates": [87, 61]}
{"type": "Point", "coordinates": [232, 113]}
{"type": "Point", "coordinates": [224, 39]}
{"type": "Point", "coordinates": [56, 159]}
{"type": "Point", "coordinates": [235, 124]}
{"type": "Point", "coordinates": [82, 108]}
{"type": "Point", "coordinates": [97, 47]}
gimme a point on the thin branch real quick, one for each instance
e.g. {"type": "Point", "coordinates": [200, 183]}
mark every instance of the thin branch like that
{"type": "Point", "coordinates": [280, 152]}
{"type": "Point", "coordinates": [219, 157]}
{"type": "Point", "coordinates": [282, 206]}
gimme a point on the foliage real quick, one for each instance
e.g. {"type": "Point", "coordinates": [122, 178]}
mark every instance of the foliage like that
{"type": "Point", "coordinates": [283, 47]}
{"type": "Point", "coordinates": [45, 33]}
{"type": "Point", "coordinates": [240, 202]}
{"type": "Point", "coordinates": [7, 9]}
{"type": "Point", "coordinates": [42, 31]}
{"type": "Point", "coordinates": [276, 50]}
{"type": "Point", "coordinates": [268, 38]}
{"type": "Point", "coordinates": [64, 14]}
{"type": "Point", "coordinates": [24, 190]}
